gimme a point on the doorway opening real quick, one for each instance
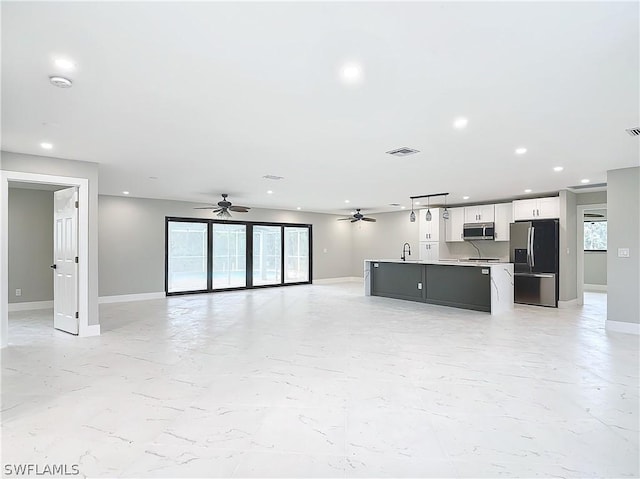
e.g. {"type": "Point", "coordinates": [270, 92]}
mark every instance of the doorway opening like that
{"type": "Point", "coordinates": [592, 255]}
{"type": "Point", "coordinates": [40, 181]}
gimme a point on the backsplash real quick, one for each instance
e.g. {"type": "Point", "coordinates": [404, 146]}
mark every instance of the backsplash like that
{"type": "Point", "coordinates": [488, 249]}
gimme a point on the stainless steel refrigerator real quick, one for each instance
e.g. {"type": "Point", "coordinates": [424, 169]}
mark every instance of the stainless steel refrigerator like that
{"type": "Point", "coordinates": [534, 253]}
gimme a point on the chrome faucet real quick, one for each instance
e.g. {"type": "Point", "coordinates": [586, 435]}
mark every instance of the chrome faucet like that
{"type": "Point", "coordinates": [406, 248]}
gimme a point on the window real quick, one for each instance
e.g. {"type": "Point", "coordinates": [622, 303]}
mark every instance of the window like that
{"type": "Point", "coordinates": [210, 255]}
{"type": "Point", "coordinates": [595, 236]}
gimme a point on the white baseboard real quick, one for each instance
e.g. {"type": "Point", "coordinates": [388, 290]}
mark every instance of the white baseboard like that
{"type": "Point", "coordinates": [29, 306]}
{"type": "Point", "coordinates": [571, 303]}
{"type": "Point", "coordinates": [595, 287]}
{"type": "Point", "coordinates": [89, 330]}
{"type": "Point", "coordinates": [622, 327]}
{"type": "Point", "coordinates": [344, 279]}
{"type": "Point", "coordinates": [124, 298]}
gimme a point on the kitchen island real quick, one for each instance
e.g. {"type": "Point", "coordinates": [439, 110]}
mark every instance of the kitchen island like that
{"type": "Point", "coordinates": [476, 285]}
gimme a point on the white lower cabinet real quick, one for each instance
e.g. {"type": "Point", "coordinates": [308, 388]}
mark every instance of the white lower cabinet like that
{"type": "Point", "coordinates": [429, 250]}
{"type": "Point", "coordinates": [454, 225]}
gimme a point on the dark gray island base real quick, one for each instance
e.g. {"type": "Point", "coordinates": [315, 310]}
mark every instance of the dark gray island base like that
{"type": "Point", "coordinates": [467, 286]}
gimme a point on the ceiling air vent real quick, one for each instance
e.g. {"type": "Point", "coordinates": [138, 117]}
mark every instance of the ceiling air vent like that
{"type": "Point", "coordinates": [273, 177]}
{"type": "Point", "coordinates": [633, 131]}
{"type": "Point", "coordinates": [404, 151]}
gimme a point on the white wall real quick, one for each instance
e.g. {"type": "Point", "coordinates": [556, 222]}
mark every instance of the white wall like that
{"type": "Point", "coordinates": [77, 169]}
{"type": "Point", "coordinates": [568, 254]}
{"type": "Point", "coordinates": [623, 231]}
{"type": "Point", "coordinates": [132, 241]}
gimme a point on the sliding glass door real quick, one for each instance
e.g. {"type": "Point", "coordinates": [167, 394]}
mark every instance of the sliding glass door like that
{"type": "Point", "coordinates": [229, 251]}
{"type": "Point", "coordinates": [187, 256]}
{"type": "Point", "coordinates": [210, 255]}
{"type": "Point", "coordinates": [296, 250]}
{"type": "Point", "coordinates": [267, 254]}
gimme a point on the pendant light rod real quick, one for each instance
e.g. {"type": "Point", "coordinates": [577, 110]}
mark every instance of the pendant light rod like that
{"type": "Point", "coordinates": [428, 196]}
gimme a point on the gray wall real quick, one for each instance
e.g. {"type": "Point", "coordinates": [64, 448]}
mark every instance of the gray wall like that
{"type": "Point", "coordinates": [132, 230]}
{"type": "Point", "coordinates": [568, 246]}
{"type": "Point", "coordinates": [383, 239]}
{"type": "Point", "coordinates": [623, 231]}
{"type": "Point", "coordinates": [593, 198]}
{"type": "Point", "coordinates": [595, 267]}
{"type": "Point", "coordinates": [30, 245]}
{"type": "Point", "coordinates": [77, 169]}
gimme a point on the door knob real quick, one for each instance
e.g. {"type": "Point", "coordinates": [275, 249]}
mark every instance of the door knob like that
{"type": "Point", "coordinates": [53, 266]}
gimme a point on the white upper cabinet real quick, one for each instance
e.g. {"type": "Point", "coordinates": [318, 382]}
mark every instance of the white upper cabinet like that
{"type": "Point", "coordinates": [536, 208]}
{"type": "Point", "coordinates": [454, 225]}
{"type": "Point", "coordinates": [479, 214]}
{"type": "Point", "coordinates": [430, 230]}
{"type": "Point", "coordinates": [504, 218]}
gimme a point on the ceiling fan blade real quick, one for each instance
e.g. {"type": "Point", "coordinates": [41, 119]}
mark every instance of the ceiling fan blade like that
{"type": "Point", "coordinates": [373, 220]}
{"type": "Point", "coordinates": [354, 220]}
{"type": "Point", "coordinates": [217, 210]}
{"type": "Point", "coordinates": [345, 219]}
{"type": "Point", "coordinates": [239, 209]}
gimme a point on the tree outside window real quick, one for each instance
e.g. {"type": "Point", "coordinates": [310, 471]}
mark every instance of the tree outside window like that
{"type": "Point", "coordinates": [595, 236]}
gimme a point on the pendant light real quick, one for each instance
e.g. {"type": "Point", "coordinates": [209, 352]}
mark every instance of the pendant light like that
{"type": "Point", "coordinates": [445, 213]}
{"type": "Point", "coordinates": [412, 216]}
{"type": "Point", "coordinates": [429, 216]}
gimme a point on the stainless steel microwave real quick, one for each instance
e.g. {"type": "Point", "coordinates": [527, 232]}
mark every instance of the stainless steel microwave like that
{"type": "Point", "coordinates": [478, 231]}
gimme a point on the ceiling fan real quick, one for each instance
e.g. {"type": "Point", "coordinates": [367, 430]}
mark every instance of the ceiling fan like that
{"type": "Point", "coordinates": [224, 207]}
{"type": "Point", "coordinates": [357, 216]}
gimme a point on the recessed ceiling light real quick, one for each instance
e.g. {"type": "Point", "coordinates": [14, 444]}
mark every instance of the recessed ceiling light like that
{"type": "Point", "coordinates": [351, 73]}
{"type": "Point", "coordinates": [460, 123]}
{"type": "Point", "coordinates": [403, 207]}
{"type": "Point", "coordinates": [269, 192]}
{"type": "Point", "coordinates": [558, 168]}
{"type": "Point", "coordinates": [528, 190]}
{"type": "Point", "coordinates": [417, 202]}
{"type": "Point", "coordinates": [584, 181]}
{"type": "Point", "coordinates": [125, 192]}
{"type": "Point", "coordinates": [64, 63]}
{"type": "Point", "coordinates": [465, 197]}
{"type": "Point", "coordinates": [521, 151]}
{"type": "Point", "coordinates": [46, 146]}
{"type": "Point", "coordinates": [298, 208]}
{"type": "Point", "coordinates": [347, 201]}
{"type": "Point", "coordinates": [60, 82]}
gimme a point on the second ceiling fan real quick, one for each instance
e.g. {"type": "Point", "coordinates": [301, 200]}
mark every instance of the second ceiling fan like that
{"type": "Point", "coordinates": [224, 207]}
{"type": "Point", "coordinates": [357, 216]}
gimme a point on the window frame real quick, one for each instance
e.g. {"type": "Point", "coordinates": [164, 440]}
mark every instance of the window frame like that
{"type": "Point", "coordinates": [248, 252]}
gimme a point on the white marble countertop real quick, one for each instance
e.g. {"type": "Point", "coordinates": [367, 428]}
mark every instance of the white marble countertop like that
{"type": "Point", "coordinates": [454, 262]}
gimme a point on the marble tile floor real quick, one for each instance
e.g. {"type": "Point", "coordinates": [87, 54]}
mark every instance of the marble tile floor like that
{"type": "Point", "coordinates": [321, 381]}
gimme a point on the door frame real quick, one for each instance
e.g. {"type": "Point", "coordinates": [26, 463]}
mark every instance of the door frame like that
{"type": "Point", "coordinates": [580, 247]}
{"type": "Point", "coordinates": [84, 329]}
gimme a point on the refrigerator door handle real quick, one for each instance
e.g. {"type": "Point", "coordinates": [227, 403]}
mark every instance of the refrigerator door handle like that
{"type": "Point", "coordinates": [529, 246]}
{"type": "Point", "coordinates": [533, 257]}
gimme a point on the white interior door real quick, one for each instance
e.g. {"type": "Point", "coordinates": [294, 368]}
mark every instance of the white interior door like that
{"type": "Point", "coordinates": [65, 266]}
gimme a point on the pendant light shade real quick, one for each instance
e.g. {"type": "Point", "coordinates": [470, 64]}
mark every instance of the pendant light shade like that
{"type": "Point", "coordinates": [429, 215]}
{"type": "Point", "coordinates": [445, 213]}
{"type": "Point", "coordinates": [412, 216]}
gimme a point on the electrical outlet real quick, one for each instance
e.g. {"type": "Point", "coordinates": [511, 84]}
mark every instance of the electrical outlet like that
{"type": "Point", "coordinates": [419, 285]}
{"type": "Point", "coordinates": [623, 252]}
{"type": "Point", "coordinates": [18, 292]}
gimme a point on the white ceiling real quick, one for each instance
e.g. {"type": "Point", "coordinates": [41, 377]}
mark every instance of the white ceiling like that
{"type": "Point", "coordinates": [210, 97]}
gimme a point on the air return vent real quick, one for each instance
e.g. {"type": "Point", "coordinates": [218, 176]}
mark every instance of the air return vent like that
{"type": "Point", "coordinates": [633, 131]}
{"type": "Point", "coordinates": [273, 177]}
{"type": "Point", "coordinates": [404, 151]}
